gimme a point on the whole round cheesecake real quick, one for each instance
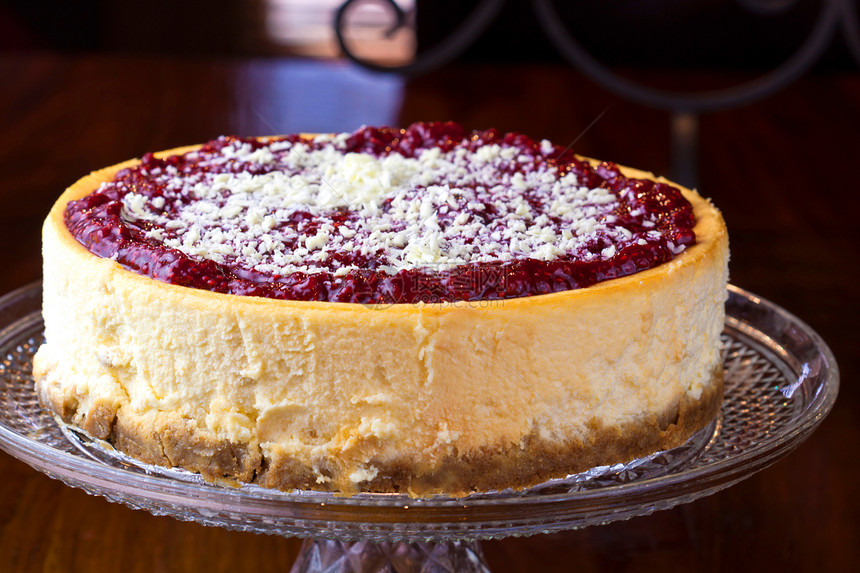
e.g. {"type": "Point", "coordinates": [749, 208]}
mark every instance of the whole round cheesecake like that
{"type": "Point", "coordinates": [419, 310]}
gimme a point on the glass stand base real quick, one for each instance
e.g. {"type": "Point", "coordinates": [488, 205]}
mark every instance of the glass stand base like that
{"type": "Point", "coordinates": [327, 556]}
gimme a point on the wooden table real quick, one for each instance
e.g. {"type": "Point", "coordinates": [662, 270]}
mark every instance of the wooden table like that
{"type": "Point", "coordinates": [784, 172]}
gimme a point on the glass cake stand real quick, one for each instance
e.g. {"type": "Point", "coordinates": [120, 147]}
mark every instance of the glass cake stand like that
{"type": "Point", "coordinates": [781, 380]}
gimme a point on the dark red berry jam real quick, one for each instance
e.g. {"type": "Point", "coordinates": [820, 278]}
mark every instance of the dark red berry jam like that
{"type": "Point", "coordinates": [429, 213]}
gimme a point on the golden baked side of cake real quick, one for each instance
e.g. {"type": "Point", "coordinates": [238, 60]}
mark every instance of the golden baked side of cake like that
{"type": "Point", "coordinates": [419, 398]}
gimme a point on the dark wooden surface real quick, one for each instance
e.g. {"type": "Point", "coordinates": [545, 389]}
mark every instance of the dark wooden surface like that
{"type": "Point", "coordinates": [784, 172]}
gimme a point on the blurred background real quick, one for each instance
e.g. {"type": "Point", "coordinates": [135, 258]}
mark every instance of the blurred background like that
{"type": "Point", "coordinates": [300, 81]}
{"type": "Point", "coordinates": [716, 34]}
{"type": "Point", "coordinates": [755, 102]}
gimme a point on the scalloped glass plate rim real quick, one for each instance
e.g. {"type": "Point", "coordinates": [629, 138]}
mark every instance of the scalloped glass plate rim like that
{"type": "Point", "coordinates": [167, 489]}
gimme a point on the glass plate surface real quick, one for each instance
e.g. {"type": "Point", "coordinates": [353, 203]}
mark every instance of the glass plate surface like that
{"type": "Point", "coordinates": [781, 380]}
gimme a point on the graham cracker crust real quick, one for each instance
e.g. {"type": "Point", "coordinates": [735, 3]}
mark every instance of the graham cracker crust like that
{"type": "Point", "coordinates": [170, 440]}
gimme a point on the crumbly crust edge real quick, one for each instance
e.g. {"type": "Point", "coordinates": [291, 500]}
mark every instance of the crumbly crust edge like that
{"type": "Point", "coordinates": [170, 440]}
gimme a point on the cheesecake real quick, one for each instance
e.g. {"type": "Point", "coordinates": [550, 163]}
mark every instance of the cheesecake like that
{"type": "Point", "coordinates": [422, 310]}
